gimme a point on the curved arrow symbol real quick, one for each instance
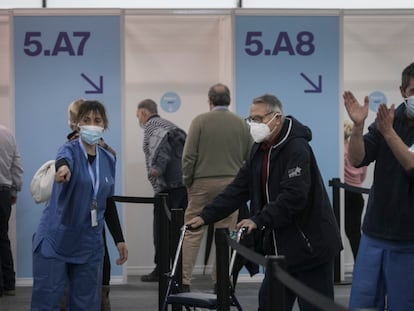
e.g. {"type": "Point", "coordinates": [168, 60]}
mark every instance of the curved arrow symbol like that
{"type": "Point", "coordinates": [97, 89]}
{"type": "Point", "coordinates": [316, 88]}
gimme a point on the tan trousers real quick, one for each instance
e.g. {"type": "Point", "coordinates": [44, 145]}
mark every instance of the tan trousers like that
{"type": "Point", "coordinates": [202, 192]}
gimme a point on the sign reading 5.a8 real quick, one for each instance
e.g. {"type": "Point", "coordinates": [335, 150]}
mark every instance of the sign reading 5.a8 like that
{"type": "Point", "coordinates": [301, 45]}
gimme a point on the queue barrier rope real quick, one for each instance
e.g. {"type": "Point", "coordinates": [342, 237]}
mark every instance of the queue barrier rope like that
{"type": "Point", "coordinates": [336, 183]}
{"type": "Point", "coordinates": [165, 219]}
{"type": "Point", "coordinates": [145, 200]}
{"type": "Point", "coordinates": [294, 285]}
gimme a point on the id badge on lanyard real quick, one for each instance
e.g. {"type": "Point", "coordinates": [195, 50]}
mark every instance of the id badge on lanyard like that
{"type": "Point", "coordinates": [94, 218]}
{"type": "Point", "coordinates": [95, 185]}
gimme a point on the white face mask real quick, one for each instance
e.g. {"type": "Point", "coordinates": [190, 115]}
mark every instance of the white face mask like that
{"type": "Point", "coordinates": [260, 131]}
{"type": "Point", "coordinates": [409, 104]}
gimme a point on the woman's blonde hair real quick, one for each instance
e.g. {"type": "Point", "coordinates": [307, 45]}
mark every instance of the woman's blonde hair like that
{"type": "Point", "coordinates": [73, 109]}
{"type": "Point", "coordinates": [348, 125]}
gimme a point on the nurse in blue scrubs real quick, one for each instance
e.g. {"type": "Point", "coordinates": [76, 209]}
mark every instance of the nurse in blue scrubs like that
{"type": "Point", "coordinates": [67, 246]}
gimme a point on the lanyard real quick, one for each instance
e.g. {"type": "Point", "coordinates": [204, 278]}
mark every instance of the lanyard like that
{"type": "Point", "coordinates": [95, 181]}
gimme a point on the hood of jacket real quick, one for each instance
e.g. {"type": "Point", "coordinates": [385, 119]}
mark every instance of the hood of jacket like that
{"type": "Point", "coordinates": [292, 129]}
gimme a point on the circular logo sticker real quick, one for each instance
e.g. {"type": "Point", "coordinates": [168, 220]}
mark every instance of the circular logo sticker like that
{"type": "Point", "coordinates": [170, 102]}
{"type": "Point", "coordinates": [375, 99]}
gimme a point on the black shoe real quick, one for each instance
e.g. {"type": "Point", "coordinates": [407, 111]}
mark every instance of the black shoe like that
{"type": "Point", "coordinates": [9, 292]}
{"type": "Point", "coordinates": [152, 277]}
{"type": "Point", "coordinates": [185, 288]}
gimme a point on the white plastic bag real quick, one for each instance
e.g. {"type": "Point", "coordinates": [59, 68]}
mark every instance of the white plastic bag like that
{"type": "Point", "coordinates": [42, 182]}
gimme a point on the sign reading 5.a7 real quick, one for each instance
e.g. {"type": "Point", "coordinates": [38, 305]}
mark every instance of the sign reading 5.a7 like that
{"type": "Point", "coordinates": [72, 44]}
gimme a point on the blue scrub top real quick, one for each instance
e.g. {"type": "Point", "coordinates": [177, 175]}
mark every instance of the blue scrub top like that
{"type": "Point", "coordinates": [65, 231]}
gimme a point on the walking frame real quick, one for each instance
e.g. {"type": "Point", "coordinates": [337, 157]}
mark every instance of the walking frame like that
{"type": "Point", "coordinates": [188, 300]}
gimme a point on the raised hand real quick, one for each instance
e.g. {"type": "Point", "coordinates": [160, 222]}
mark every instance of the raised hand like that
{"type": "Point", "coordinates": [358, 113]}
{"type": "Point", "coordinates": [385, 118]}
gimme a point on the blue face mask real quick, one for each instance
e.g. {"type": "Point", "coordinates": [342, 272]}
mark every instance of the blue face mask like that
{"type": "Point", "coordinates": [91, 134]}
{"type": "Point", "coordinates": [409, 104]}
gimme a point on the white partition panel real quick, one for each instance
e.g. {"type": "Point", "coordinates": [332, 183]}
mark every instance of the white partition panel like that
{"type": "Point", "coordinates": [181, 55]}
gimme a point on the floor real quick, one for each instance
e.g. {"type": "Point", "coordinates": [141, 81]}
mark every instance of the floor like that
{"type": "Point", "coordinates": [136, 295]}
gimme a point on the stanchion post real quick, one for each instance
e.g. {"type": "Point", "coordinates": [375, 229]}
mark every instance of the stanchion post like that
{"type": "Point", "coordinates": [163, 247]}
{"type": "Point", "coordinates": [336, 204]}
{"type": "Point", "coordinates": [177, 222]}
{"type": "Point", "coordinates": [276, 290]}
{"type": "Point", "coordinates": [222, 263]}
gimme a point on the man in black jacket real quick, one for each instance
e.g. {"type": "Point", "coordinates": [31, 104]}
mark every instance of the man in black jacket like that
{"type": "Point", "coordinates": [287, 196]}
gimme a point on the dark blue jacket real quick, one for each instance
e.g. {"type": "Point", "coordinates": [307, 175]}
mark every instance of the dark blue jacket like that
{"type": "Point", "coordinates": [293, 202]}
{"type": "Point", "coordinates": [390, 209]}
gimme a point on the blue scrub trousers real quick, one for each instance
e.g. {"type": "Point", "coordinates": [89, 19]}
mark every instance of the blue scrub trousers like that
{"type": "Point", "coordinates": [383, 268]}
{"type": "Point", "coordinates": [83, 281]}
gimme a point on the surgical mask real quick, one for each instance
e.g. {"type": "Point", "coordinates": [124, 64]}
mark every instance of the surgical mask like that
{"type": "Point", "coordinates": [409, 104]}
{"type": "Point", "coordinates": [91, 134]}
{"type": "Point", "coordinates": [260, 131]}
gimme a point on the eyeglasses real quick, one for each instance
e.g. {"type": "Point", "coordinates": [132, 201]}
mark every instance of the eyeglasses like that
{"type": "Point", "coordinates": [258, 119]}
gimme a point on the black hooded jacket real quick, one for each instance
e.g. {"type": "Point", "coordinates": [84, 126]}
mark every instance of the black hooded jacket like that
{"type": "Point", "coordinates": [293, 202]}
